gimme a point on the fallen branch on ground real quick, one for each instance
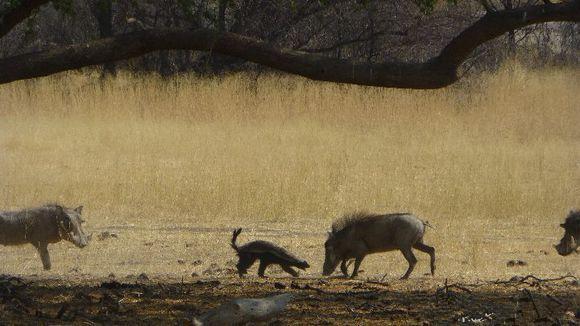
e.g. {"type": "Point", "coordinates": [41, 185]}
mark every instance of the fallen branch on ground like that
{"type": "Point", "coordinates": [518, 280]}
{"type": "Point", "coordinates": [447, 287]}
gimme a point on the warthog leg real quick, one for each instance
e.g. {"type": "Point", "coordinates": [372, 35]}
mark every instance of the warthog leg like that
{"type": "Point", "coordinates": [429, 250]}
{"type": "Point", "coordinates": [357, 263]}
{"type": "Point", "coordinates": [411, 259]}
{"type": "Point", "coordinates": [289, 270]}
{"type": "Point", "coordinates": [42, 248]}
{"type": "Point", "coordinates": [344, 267]}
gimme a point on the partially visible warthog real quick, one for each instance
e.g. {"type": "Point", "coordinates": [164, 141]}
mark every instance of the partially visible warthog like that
{"type": "Point", "coordinates": [359, 234]}
{"type": "Point", "coordinates": [569, 242]}
{"type": "Point", "coordinates": [41, 226]}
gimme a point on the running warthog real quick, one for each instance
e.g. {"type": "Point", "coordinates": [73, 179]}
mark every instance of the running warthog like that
{"type": "Point", "coordinates": [41, 226]}
{"type": "Point", "coordinates": [359, 234]}
{"type": "Point", "coordinates": [569, 242]}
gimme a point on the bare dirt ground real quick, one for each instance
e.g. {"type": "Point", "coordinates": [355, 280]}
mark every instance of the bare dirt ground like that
{"type": "Point", "coordinates": [144, 300]}
{"type": "Point", "coordinates": [170, 276]}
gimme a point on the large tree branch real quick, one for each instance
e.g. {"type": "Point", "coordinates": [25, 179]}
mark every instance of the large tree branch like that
{"type": "Point", "coordinates": [494, 24]}
{"type": "Point", "coordinates": [358, 39]}
{"type": "Point", "coordinates": [16, 13]}
{"type": "Point", "coordinates": [438, 72]}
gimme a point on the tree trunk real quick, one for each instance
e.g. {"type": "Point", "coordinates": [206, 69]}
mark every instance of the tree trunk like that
{"type": "Point", "coordinates": [222, 15]}
{"type": "Point", "coordinates": [511, 37]}
{"type": "Point", "coordinates": [16, 14]}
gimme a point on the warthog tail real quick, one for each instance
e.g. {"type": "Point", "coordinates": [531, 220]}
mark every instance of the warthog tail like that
{"type": "Point", "coordinates": [234, 238]}
{"type": "Point", "coordinates": [426, 223]}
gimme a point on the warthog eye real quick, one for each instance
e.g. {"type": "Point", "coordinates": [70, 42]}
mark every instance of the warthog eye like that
{"type": "Point", "coordinates": [66, 224]}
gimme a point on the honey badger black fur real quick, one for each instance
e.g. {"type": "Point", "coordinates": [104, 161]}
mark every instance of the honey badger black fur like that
{"type": "Point", "coordinates": [268, 253]}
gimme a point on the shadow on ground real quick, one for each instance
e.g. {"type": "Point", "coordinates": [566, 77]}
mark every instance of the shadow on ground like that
{"type": "Point", "coordinates": [141, 300]}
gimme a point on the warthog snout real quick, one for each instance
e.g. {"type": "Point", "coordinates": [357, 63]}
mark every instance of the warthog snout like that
{"type": "Point", "coordinates": [81, 241]}
{"type": "Point", "coordinates": [72, 229]}
{"type": "Point", "coordinates": [569, 242]}
{"type": "Point", "coordinates": [78, 238]}
{"type": "Point", "coordinates": [566, 246]}
{"type": "Point", "coordinates": [331, 260]}
{"type": "Point", "coordinates": [330, 264]}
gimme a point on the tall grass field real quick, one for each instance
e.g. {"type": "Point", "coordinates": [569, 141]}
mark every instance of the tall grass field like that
{"type": "Point", "coordinates": [173, 165]}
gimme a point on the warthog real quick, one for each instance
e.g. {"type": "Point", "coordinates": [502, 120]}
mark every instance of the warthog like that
{"type": "Point", "coordinates": [359, 234]}
{"type": "Point", "coordinates": [569, 242]}
{"type": "Point", "coordinates": [268, 253]}
{"type": "Point", "coordinates": [41, 226]}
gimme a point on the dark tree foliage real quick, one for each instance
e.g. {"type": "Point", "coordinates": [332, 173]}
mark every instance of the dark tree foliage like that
{"type": "Point", "coordinates": [418, 43]}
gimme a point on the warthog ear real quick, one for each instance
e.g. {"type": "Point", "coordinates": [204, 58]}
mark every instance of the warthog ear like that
{"type": "Point", "coordinates": [79, 209]}
{"type": "Point", "coordinates": [563, 225]}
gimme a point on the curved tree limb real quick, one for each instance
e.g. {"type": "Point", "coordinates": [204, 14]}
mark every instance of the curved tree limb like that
{"type": "Point", "coordinates": [437, 72]}
{"type": "Point", "coordinates": [495, 24]}
{"type": "Point", "coordinates": [16, 14]}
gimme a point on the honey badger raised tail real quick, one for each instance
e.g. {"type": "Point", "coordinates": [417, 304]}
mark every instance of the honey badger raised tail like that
{"type": "Point", "coordinates": [234, 238]}
{"type": "Point", "coordinates": [267, 253]}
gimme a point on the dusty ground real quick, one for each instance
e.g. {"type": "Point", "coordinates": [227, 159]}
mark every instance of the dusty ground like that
{"type": "Point", "coordinates": [177, 250]}
{"type": "Point", "coordinates": [144, 300]}
{"type": "Point", "coordinates": [170, 275]}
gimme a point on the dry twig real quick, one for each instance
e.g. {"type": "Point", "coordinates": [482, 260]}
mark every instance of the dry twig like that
{"type": "Point", "coordinates": [529, 294]}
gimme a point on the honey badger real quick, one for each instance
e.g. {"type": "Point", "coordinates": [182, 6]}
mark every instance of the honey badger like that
{"type": "Point", "coordinates": [268, 253]}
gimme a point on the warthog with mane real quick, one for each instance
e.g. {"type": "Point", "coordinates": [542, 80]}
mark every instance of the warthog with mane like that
{"type": "Point", "coordinates": [359, 234]}
{"type": "Point", "coordinates": [43, 225]}
{"type": "Point", "coordinates": [569, 242]}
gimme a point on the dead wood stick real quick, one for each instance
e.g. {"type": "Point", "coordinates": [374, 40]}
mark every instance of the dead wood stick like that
{"type": "Point", "coordinates": [554, 299]}
{"type": "Point", "coordinates": [377, 282]}
{"type": "Point", "coordinates": [538, 315]}
{"type": "Point", "coordinates": [382, 278]}
{"type": "Point", "coordinates": [307, 287]}
{"type": "Point", "coordinates": [447, 286]}
{"type": "Point", "coordinates": [61, 311]}
{"type": "Point", "coordinates": [516, 279]}
{"type": "Point", "coordinates": [460, 287]}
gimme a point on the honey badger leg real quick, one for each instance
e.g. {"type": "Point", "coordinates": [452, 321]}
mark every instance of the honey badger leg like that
{"type": "Point", "coordinates": [289, 270]}
{"type": "Point", "coordinates": [245, 262]}
{"type": "Point", "coordinates": [262, 268]}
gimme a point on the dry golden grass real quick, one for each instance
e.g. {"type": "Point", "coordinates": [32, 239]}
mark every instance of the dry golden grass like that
{"type": "Point", "coordinates": [493, 164]}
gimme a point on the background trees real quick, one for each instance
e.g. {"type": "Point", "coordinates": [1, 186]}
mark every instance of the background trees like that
{"type": "Point", "coordinates": [384, 43]}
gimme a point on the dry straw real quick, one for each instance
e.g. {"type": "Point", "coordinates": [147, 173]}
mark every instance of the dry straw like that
{"type": "Point", "coordinates": [498, 150]}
